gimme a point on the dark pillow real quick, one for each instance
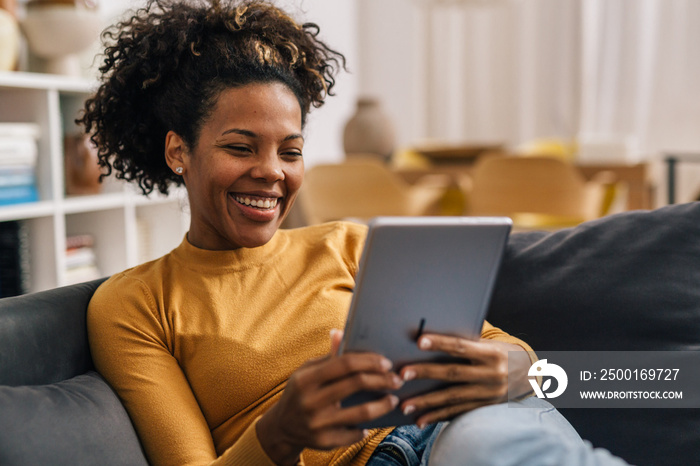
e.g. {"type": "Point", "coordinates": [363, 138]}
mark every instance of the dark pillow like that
{"type": "Point", "coordinates": [624, 282]}
{"type": "Point", "coordinates": [79, 421]}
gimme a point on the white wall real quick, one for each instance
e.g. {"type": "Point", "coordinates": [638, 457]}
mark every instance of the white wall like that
{"type": "Point", "coordinates": [392, 69]}
{"type": "Point", "coordinates": [476, 71]}
{"type": "Point", "coordinates": [337, 20]}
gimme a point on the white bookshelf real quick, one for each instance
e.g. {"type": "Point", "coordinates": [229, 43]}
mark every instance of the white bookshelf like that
{"type": "Point", "coordinates": [128, 228]}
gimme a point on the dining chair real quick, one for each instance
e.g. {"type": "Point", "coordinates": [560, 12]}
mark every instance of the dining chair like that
{"type": "Point", "coordinates": [536, 191]}
{"type": "Point", "coordinates": [361, 188]}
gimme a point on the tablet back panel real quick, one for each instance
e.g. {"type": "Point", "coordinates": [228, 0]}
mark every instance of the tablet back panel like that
{"type": "Point", "coordinates": [422, 275]}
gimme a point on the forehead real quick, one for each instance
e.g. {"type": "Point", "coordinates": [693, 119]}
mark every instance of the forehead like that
{"type": "Point", "coordinates": [273, 102]}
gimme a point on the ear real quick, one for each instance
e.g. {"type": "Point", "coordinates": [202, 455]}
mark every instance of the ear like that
{"type": "Point", "coordinates": [176, 152]}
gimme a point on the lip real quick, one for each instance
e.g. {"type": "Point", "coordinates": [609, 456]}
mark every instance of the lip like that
{"type": "Point", "coordinates": [253, 213]}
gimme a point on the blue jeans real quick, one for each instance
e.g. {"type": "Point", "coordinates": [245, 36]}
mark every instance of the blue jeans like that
{"type": "Point", "coordinates": [406, 446]}
{"type": "Point", "coordinates": [534, 434]}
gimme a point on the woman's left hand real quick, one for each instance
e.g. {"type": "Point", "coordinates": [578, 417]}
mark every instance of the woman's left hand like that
{"type": "Point", "coordinates": [482, 379]}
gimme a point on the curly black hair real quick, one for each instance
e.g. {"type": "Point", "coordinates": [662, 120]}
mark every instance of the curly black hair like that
{"type": "Point", "coordinates": [165, 66]}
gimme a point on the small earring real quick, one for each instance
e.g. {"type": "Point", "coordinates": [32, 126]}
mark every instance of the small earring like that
{"type": "Point", "coordinates": [178, 170]}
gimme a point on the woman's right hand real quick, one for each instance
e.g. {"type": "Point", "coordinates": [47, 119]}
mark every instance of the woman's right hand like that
{"type": "Point", "coordinates": [309, 414]}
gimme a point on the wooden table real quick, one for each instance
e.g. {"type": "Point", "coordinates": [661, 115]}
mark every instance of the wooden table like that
{"type": "Point", "coordinates": [636, 177]}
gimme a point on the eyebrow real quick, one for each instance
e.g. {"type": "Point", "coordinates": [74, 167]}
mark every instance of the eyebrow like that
{"type": "Point", "coordinates": [251, 134]}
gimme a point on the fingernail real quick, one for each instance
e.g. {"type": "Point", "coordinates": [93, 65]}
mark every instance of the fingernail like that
{"type": "Point", "coordinates": [409, 374]}
{"type": "Point", "coordinates": [394, 400]}
{"type": "Point", "coordinates": [386, 364]}
{"type": "Point", "coordinates": [365, 433]}
{"type": "Point", "coordinates": [408, 410]}
{"type": "Point", "coordinates": [398, 381]}
{"type": "Point", "coordinates": [425, 343]}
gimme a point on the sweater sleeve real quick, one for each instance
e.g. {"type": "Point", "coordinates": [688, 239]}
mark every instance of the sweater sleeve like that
{"type": "Point", "coordinates": [490, 332]}
{"type": "Point", "coordinates": [131, 349]}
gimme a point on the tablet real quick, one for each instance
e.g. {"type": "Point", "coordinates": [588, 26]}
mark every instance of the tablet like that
{"type": "Point", "coordinates": [421, 275]}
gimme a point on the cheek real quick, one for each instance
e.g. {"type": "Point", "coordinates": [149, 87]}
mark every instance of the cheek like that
{"type": "Point", "coordinates": [220, 176]}
{"type": "Point", "coordinates": [208, 185]}
{"type": "Point", "coordinates": [295, 179]}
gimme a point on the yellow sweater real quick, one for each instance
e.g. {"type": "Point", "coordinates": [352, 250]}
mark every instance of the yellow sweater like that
{"type": "Point", "coordinates": [199, 344]}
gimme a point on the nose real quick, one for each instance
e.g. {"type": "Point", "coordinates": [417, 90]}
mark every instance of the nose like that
{"type": "Point", "coordinates": [267, 167]}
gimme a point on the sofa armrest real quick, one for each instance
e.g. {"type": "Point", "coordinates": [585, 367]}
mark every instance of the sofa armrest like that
{"type": "Point", "coordinates": [43, 336]}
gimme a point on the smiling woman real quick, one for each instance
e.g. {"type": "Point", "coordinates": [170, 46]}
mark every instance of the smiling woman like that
{"type": "Point", "coordinates": [220, 349]}
{"type": "Point", "coordinates": [246, 168]}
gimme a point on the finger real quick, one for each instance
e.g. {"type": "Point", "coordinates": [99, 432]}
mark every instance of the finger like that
{"type": "Point", "coordinates": [361, 381]}
{"type": "Point", "coordinates": [358, 414]}
{"type": "Point", "coordinates": [336, 340]}
{"type": "Point", "coordinates": [330, 369]}
{"type": "Point", "coordinates": [456, 395]}
{"type": "Point", "coordinates": [476, 350]}
{"type": "Point", "coordinates": [457, 372]}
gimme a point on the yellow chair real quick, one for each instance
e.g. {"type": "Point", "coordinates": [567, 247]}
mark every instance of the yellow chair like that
{"type": "Point", "coordinates": [537, 192]}
{"type": "Point", "coordinates": [360, 189]}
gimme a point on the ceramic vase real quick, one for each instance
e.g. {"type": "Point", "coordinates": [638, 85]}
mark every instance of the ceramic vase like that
{"type": "Point", "coordinates": [9, 36]}
{"type": "Point", "coordinates": [57, 30]}
{"type": "Point", "coordinates": [82, 170]}
{"type": "Point", "coordinates": [369, 131]}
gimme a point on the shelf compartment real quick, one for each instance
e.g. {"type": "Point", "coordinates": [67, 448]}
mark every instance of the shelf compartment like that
{"type": "Point", "coordinates": [33, 106]}
{"type": "Point", "coordinates": [107, 227]}
{"type": "Point", "coordinates": [33, 249]}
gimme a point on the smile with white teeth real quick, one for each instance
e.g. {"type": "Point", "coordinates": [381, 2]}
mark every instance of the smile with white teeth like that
{"type": "Point", "coordinates": [267, 203]}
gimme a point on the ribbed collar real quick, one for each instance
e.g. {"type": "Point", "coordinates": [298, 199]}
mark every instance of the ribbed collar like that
{"type": "Point", "coordinates": [237, 259]}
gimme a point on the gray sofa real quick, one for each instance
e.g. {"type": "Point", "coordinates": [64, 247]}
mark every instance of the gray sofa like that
{"type": "Point", "coordinates": [628, 282]}
{"type": "Point", "coordinates": [54, 408]}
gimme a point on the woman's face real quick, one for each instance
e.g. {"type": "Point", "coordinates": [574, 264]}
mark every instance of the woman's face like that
{"type": "Point", "coordinates": [246, 169]}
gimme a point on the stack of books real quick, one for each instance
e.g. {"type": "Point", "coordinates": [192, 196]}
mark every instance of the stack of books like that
{"type": "Point", "coordinates": [81, 264]}
{"type": "Point", "coordinates": [14, 258]}
{"type": "Point", "coordinates": [18, 157]}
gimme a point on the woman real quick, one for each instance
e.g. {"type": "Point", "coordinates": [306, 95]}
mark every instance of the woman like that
{"type": "Point", "coordinates": [219, 350]}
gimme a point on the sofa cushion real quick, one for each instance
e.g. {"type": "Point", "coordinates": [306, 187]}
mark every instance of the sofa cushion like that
{"type": "Point", "coordinates": [79, 421]}
{"type": "Point", "coordinates": [624, 282]}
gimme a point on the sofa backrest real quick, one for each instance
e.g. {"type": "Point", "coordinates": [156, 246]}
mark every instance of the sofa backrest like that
{"type": "Point", "coordinates": [629, 282]}
{"type": "Point", "coordinates": [54, 409]}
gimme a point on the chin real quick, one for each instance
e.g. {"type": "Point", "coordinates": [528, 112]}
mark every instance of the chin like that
{"type": "Point", "coordinates": [255, 239]}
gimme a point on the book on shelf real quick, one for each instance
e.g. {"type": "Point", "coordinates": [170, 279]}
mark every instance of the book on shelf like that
{"type": "Point", "coordinates": [18, 194]}
{"type": "Point", "coordinates": [18, 159]}
{"type": "Point", "coordinates": [81, 261]}
{"type": "Point", "coordinates": [14, 258]}
{"type": "Point", "coordinates": [17, 175]}
{"type": "Point", "coordinates": [79, 257]}
{"type": "Point", "coordinates": [18, 151]}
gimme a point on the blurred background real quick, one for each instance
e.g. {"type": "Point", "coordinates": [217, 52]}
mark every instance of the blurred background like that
{"type": "Point", "coordinates": [598, 81]}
